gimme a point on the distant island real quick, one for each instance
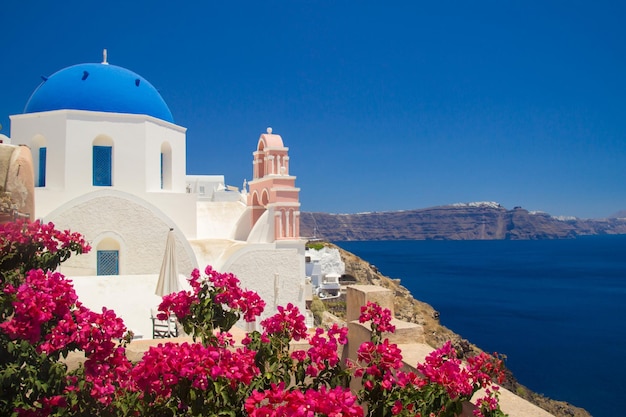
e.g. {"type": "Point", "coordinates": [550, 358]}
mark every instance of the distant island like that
{"type": "Point", "coordinates": [463, 221]}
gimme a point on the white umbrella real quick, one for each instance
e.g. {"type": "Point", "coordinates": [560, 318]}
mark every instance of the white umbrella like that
{"type": "Point", "coordinates": [168, 277]}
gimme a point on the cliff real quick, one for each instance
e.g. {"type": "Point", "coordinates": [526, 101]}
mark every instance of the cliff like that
{"type": "Point", "coordinates": [473, 221]}
{"type": "Point", "coordinates": [407, 308]}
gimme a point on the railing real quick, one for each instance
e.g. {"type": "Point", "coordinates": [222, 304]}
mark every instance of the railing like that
{"type": "Point", "coordinates": [163, 329]}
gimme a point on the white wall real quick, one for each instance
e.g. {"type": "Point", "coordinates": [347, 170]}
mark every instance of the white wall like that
{"type": "Point", "coordinates": [275, 272]}
{"type": "Point", "coordinates": [218, 219]}
{"type": "Point", "coordinates": [69, 137]}
{"type": "Point", "coordinates": [141, 230]}
{"type": "Point", "coordinates": [137, 213]}
{"type": "Point", "coordinates": [131, 297]}
{"type": "Point", "coordinates": [155, 135]}
{"type": "Point", "coordinates": [127, 159]}
{"type": "Point", "coordinates": [27, 128]}
{"type": "Point", "coordinates": [180, 208]}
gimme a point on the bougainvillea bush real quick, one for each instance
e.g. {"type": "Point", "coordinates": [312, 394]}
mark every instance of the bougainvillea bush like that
{"type": "Point", "coordinates": [42, 321]}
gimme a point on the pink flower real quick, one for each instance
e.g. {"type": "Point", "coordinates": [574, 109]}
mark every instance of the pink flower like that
{"type": "Point", "coordinates": [444, 368]}
{"type": "Point", "coordinates": [299, 355]}
{"type": "Point", "coordinates": [381, 357]}
{"type": "Point", "coordinates": [43, 297]}
{"type": "Point", "coordinates": [380, 318]}
{"type": "Point", "coordinates": [288, 322]}
{"type": "Point", "coordinates": [178, 304]}
{"type": "Point", "coordinates": [29, 240]}
{"type": "Point", "coordinates": [323, 352]}
{"type": "Point", "coordinates": [277, 401]}
{"type": "Point", "coordinates": [397, 408]}
{"type": "Point", "coordinates": [194, 363]}
{"type": "Point", "coordinates": [226, 300]}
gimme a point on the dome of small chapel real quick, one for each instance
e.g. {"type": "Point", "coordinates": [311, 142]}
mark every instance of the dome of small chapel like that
{"type": "Point", "coordinates": [98, 87]}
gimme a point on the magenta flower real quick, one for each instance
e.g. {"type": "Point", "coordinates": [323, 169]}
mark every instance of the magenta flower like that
{"type": "Point", "coordinates": [288, 322]}
{"type": "Point", "coordinates": [41, 299]}
{"type": "Point", "coordinates": [41, 308]}
{"type": "Point", "coordinates": [215, 302]}
{"type": "Point", "coordinates": [164, 367]}
{"type": "Point", "coordinates": [178, 304]}
{"type": "Point", "coordinates": [380, 317]}
{"type": "Point", "coordinates": [279, 402]}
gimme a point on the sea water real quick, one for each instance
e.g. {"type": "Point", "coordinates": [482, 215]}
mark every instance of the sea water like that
{"type": "Point", "coordinates": [555, 308]}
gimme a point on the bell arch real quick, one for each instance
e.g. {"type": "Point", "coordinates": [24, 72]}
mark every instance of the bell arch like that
{"type": "Point", "coordinates": [273, 188]}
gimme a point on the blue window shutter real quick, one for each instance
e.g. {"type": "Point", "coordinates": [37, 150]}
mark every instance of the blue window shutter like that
{"type": "Point", "coordinates": [108, 262]}
{"type": "Point", "coordinates": [42, 167]}
{"type": "Point", "coordinates": [102, 165]}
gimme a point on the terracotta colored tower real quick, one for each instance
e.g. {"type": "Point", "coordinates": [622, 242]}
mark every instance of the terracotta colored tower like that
{"type": "Point", "coordinates": [273, 189]}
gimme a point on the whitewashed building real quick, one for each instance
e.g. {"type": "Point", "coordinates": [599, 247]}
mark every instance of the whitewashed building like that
{"type": "Point", "coordinates": [110, 163]}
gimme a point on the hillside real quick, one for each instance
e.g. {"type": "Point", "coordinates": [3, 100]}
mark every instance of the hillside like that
{"type": "Point", "coordinates": [472, 221]}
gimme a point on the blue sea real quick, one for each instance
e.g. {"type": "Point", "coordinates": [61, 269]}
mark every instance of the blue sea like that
{"type": "Point", "coordinates": [555, 308]}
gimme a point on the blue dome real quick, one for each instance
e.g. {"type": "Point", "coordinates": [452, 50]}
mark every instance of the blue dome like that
{"type": "Point", "coordinates": [98, 87]}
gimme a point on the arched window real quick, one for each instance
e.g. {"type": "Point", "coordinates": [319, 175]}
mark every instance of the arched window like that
{"type": "Point", "coordinates": [40, 153]}
{"type": "Point", "coordinates": [41, 181]}
{"type": "Point", "coordinates": [102, 161]}
{"type": "Point", "coordinates": [260, 160]}
{"type": "Point", "coordinates": [166, 166]}
{"type": "Point", "coordinates": [108, 253]}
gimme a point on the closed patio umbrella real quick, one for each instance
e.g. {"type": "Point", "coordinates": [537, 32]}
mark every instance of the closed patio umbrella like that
{"type": "Point", "coordinates": [168, 277]}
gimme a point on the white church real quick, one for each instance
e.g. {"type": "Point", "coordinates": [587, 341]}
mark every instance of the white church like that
{"type": "Point", "coordinates": [109, 162]}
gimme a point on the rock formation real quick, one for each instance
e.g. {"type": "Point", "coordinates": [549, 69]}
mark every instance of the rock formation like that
{"type": "Point", "coordinates": [473, 221]}
{"type": "Point", "coordinates": [17, 191]}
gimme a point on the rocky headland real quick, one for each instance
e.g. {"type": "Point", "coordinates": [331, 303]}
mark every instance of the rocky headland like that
{"type": "Point", "coordinates": [409, 309]}
{"type": "Point", "coordinates": [469, 221]}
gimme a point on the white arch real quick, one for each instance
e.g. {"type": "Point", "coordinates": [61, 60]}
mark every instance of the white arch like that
{"type": "Point", "coordinates": [109, 192]}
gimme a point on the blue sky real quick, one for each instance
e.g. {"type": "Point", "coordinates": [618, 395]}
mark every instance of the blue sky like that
{"type": "Point", "coordinates": [384, 105]}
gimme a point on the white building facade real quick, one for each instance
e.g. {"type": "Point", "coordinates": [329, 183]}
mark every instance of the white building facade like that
{"type": "Point", "coordinates": [110, 163]}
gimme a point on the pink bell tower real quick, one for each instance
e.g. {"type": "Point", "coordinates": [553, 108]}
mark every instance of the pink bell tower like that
{"type": "Point", "coordinates": [273, 190]}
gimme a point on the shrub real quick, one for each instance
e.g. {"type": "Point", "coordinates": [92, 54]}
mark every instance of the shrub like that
{"type": "Point", "coordinates": [43, 320]}
{"type": "Point", "coordinates": [316, 245]}
{"type": "Point", "coordinates": [317, 308]}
